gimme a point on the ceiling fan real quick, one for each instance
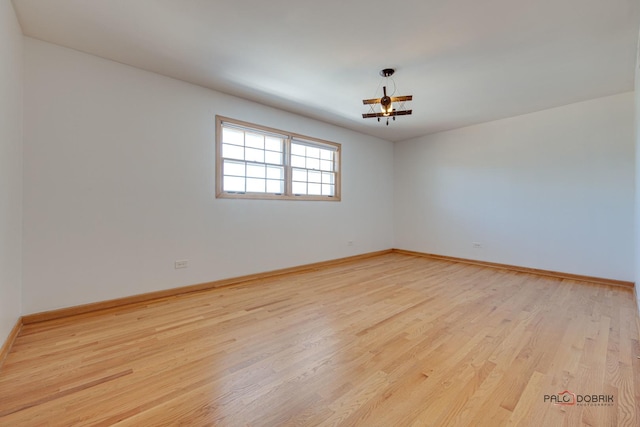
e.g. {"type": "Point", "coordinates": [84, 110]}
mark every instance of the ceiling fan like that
{"type": "Point", "coordinates": [386, 102]}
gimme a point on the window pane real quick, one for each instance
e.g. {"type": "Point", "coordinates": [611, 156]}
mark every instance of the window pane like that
{"type": "Point", "coordinates": [299, 187]}
{"type": "Point", "coordinates": [273, 144]}
{"type": "Point", "coordinates": [254, 155]}
{"type": "Point", "coordinates": [274, 172]}
{"type": "Point", "coordinates": [273, 157]}
{"type": "Point", "coordinates": [256, 161]}
{"type": "Point", "coordinates": [253, 140]}
{"type": "Point", "coordinates": [315, 176]}
{"type": "Point", "coordinates": [232, 136]}
{"type": "Point", "coordinates": [314, 189]}
{"type": "Point", "coordinates": [297, 149]}
{"type": "Point", "coordinates": [255, 185]}
{"type": "Point", "coordinates": [232, 152]}
{"type": "Point", "coordinates": [326, 165]}
{"type": "Point", "coordinates": [233, 183]}
{"type": "Point", "coordinates": [297, 162]}
{"type": "Point", "coordinates": [313, 152]}
{"type": "Point", "coordinates": [255, 171]}
{"type": "Point", "coordinates": [299, 174]}
{"type": "Point", "coordinates": [326, 155]}
{"type": "Point", "coordinates": [275, 186]}
{"type": "Point", "coordinates": [313, 163]}
{"type": "Point", "coordinates": [233, 168]}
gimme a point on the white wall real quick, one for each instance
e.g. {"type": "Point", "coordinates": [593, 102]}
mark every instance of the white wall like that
{"type": "Point", "coordinates": [119, 183]}
{"type": "Point", "coordinates": [10, 168]}
{"type": "Point", "coordinates": [552, 190]}
{"type": "Point", "coordinates": [637, 164]}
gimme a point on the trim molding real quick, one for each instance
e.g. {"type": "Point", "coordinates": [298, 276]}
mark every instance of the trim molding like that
{"type": "Point", "coordinates": [146, 297]}
{"type": "Point", "coordinates": [556, 274]}
{"type": "Point", "coordinates": [150, 296]}
{"type": "Point", "coordinates": [8, 343]}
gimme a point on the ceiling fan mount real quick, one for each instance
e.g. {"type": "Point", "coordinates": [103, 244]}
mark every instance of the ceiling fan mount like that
{"type": "Point", "coordinates": [387, 72]}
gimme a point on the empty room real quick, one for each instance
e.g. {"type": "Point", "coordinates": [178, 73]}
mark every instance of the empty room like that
{"type": "Point", "coordinates": [361, 213]}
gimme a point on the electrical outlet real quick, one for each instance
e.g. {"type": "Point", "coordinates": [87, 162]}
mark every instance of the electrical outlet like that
{"type": "Point", "coordinates": [476, 245]}
{"type": "Point", "coordinates": [183, 263]}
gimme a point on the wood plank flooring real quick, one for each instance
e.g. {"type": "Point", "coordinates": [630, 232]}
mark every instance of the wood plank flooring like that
{"type": "Point", "coordinates": [393, 340]}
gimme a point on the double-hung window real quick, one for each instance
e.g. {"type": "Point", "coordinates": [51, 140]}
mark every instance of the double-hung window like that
{"type": "Point", "coordinates": [262, 163]}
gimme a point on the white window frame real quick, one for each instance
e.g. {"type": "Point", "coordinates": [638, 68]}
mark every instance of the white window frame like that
{"type": "Point", "coordinates": [288, 138]}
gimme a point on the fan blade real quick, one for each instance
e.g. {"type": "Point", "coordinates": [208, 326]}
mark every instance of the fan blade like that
{"type": "Point", "coordinates": [401, 98]}
{"type": "Point", "coordinates": [371, 101]}
{"type": "Point", "coordinates": [394, 113]}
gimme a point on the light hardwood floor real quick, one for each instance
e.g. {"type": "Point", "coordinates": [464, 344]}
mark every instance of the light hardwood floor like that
{"type": "Point", "coordinates": [393, 340]}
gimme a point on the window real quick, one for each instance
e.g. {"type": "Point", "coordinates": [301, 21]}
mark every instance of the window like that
{"type": "Point", "coordinates": [262, 163]}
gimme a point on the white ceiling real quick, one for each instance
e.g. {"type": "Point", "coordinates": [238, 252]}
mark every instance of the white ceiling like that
{"type": "Point", "coordinates": [464, 61]}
